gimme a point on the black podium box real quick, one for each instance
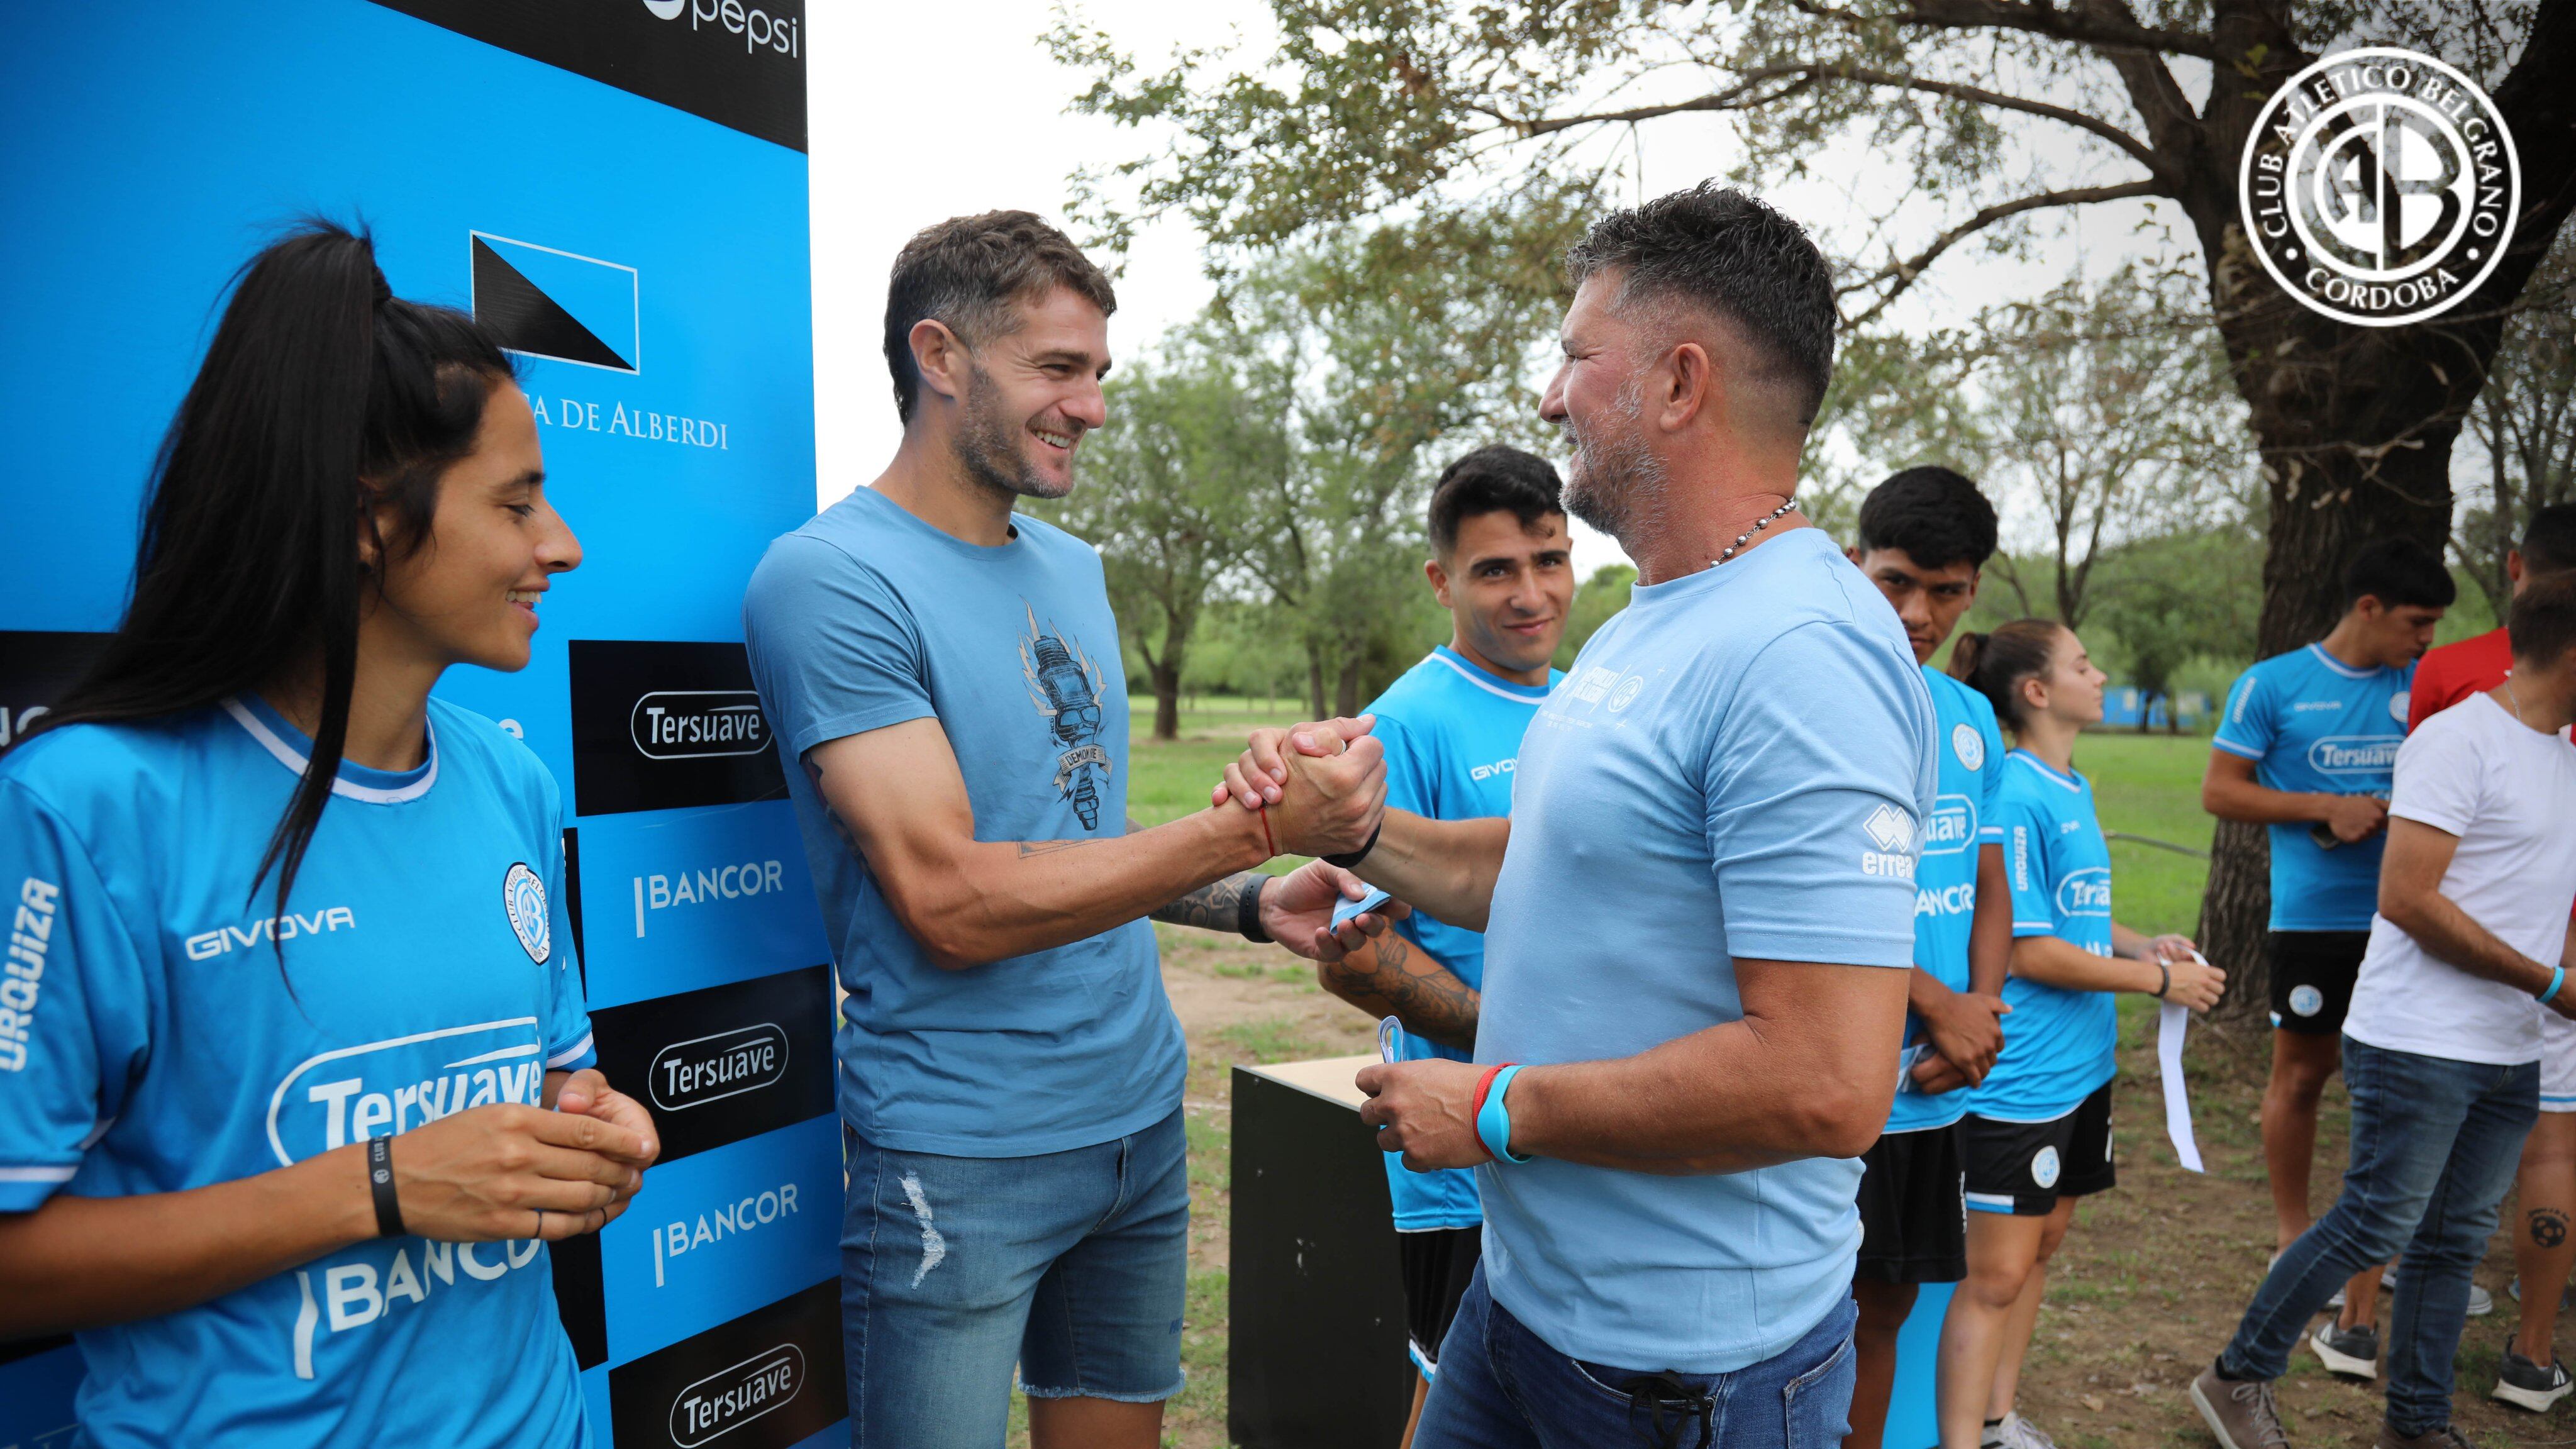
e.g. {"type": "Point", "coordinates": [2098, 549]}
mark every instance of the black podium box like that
{"type": "Point", "coordinates": [1315, 1305]}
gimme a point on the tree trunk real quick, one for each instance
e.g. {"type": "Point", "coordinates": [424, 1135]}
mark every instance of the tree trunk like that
{"type": "Point", "coordinates": [1166, 673]}
{"type": "Point", "coordinates": [1314, 683]}
{"type": "Point", "coordinates": [1346, 689]}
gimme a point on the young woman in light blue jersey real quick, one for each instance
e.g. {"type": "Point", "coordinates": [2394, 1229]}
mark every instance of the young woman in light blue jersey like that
{"type": "Point", "coordinates": [2038, 1131]}
{"type": "Point", "coordinates": [295, 1076]}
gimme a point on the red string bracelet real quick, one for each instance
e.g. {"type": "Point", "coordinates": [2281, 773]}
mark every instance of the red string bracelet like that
{"type": "Point", "coordinates": [1263, 815]}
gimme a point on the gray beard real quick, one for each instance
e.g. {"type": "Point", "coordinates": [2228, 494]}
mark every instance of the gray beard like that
{"type": "Point", "coordinates": [1617, 484]}
{"type": "Point", "coordinates": [988, 444]}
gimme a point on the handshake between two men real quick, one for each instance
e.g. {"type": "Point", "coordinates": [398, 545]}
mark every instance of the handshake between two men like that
{"type": "Point", "coordinates": [1798, 1072]}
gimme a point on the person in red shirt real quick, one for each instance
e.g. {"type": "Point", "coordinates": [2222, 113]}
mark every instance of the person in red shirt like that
{"type": "Point", "coordinates": [2545, 1247]}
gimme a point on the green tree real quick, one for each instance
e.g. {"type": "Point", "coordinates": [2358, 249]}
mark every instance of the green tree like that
{"type": "Point", "coordinates": [2177, 597]}
{"type": "Point", "coordinates": [2525, 424]}
{"type": "Point", "coordinates": [1999, 111]}
{"type": "Point", "coordinates": [1595, 600]}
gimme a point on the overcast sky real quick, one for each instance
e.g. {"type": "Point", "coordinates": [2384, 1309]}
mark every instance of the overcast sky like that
{"type": "Point", "coordinates": [915, 116]}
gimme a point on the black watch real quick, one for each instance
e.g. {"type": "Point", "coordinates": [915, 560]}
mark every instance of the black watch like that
{"type": "Point", "coordinates": [1247, 911]}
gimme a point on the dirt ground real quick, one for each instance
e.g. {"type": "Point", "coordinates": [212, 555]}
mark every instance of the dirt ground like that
{"type": "Point", "coordinates": [2146, 1290]}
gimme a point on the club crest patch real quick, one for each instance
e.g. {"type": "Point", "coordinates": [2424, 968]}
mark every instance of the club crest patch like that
{"type": "Point", "coordinates": [523, 900]}
{"type": "Point", "coordinates": [1968, 745]}
{"type": "Point", "coordinates": [2306, 1000]}
{"type": "Point", "coordinates": [2043, 1168]}
{"type": "Point", "coordinates": [2397, 707]}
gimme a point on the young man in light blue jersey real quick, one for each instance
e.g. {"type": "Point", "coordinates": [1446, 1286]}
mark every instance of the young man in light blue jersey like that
{"type": "Point", "coordinates": [1923, 536]}
{"type": "Point", "coordinates": [944, 675]}
{"type": "Point", "coordinates": [1452, 725]}
{"type": "Point", "coordinates": [1698, 916]}
{"type": "Point", "coordinates": [2306, 747]}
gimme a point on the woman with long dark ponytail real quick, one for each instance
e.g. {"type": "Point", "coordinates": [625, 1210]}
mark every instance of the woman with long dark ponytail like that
{"type": "Point", "coordinates": [295, 1077]}
{"type": "Point", "coordinates": [2038, 1131]}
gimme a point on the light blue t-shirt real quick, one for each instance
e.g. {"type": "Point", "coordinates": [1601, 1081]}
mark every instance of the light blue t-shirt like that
{"type": "Point", "coordinates": [1452, 732]}
{"type": "Point", "coordinates": [868, 617]}
{"type": "Point", "coordinates": [151, 1043]}
{"type": "Point", "coordinates": [2058, 1044]}
{"type": "Point", "coordinates": [2314, 725]}
{"type": "Point", "coordinates": [1963, 821]}
{"type": "Point", "coordinates": [1736, 766]}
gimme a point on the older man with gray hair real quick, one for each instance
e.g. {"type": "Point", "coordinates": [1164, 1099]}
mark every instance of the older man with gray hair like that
{"type": "Point", "coordinates": [1699, 913]}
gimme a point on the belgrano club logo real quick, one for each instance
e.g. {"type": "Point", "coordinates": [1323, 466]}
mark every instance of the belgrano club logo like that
{"type": "Point", "coordinates": [2379, 187]}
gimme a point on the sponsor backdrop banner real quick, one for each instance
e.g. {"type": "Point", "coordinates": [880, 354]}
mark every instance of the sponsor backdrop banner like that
{"type": "Point", "coordinates": [618, 187]}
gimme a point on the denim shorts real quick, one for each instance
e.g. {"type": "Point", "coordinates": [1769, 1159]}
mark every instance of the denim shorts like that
{"type": "Point", "coordinates": [1070, 1266]}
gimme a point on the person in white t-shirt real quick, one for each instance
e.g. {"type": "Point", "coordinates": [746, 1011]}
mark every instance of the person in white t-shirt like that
{"type": "Point", "coordinates": [2441, 1048]}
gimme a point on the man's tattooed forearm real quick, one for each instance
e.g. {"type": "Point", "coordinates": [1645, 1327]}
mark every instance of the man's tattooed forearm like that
{"type": "Point", "coordinates": [1388, 977]}
{"type": "Point", "coordinates": [1217, 907]}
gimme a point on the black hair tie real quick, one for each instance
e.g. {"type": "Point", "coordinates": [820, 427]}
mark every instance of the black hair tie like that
{"type": "Point", "coordinates": [1353, 859]}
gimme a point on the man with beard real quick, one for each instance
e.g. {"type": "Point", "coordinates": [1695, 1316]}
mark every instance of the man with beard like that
{"type": "Point", "coordinates": [944, 677]}
{"type": "Point", "coordinates": [1699, 914]}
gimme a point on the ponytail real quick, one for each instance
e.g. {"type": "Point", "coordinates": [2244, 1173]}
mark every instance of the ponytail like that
{"type": "Point", "coordinates": [1995, 664]}
{"type": "Point", "coordinates": [322, 398]}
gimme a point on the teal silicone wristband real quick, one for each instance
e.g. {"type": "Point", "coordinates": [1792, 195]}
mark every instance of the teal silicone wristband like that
{"type": "Point", "coordinates": [1494, 1123]}
{"type": "Point", "coordinates": [2557, 978]}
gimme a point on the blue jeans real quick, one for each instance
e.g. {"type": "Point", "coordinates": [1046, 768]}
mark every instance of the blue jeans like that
{"type": "Point", "coordinates": [1501, 1387]}
{"type": "Point", "coordinates": [1070, 1265]}
{"type": "Point", "coordinates": [2434, 1146]}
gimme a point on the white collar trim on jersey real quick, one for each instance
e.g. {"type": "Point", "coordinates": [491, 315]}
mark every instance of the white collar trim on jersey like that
{"type": "Point", "coordinates": [295, 760]}
{"type": "Point", "coordinates": [1478, 679]}
{"type": "Point", "coordinates": [2053, 774]}
{"type": "Point", "coordinates": [2337, 665]}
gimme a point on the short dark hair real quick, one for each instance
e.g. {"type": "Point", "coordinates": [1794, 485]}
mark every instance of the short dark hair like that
{"type": "Point", "coordinates": [966, 272]}
{"type": "Point", "coordinates": [2543, 627]}
{"type": "Point", "coordinates": [2549, 540]}
{"type": "Point", "coordinates": [1489, 480]}
{"type": "Point", "coordinates": [1716, 248]}
{"type": "Point", "coordinates": [1938, 517]}
{"type": "Point", "coordinates": [2400, 573]}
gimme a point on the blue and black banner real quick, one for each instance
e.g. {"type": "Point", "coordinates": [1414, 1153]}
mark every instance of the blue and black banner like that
{"type": "Point", "coordinates": [618, 188]}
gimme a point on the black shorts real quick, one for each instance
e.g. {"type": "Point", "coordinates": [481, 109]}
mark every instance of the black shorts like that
{"type": "Point", "coordinates": [2312, 976]}
{"type": "Point", "coordinates": [1913, 1215]}
{"type": "Point", "coordinates": [1436, 1266]}
{"type": "Point", "coordinates": [2023, 1168]}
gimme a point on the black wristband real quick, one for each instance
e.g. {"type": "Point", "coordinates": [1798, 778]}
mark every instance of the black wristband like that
{"type": "Point", "coordinates": [1247, 912]}
{"type": "Point", "coordinates": [2167, 973]}
{"type": "Point", "coordinates": [380, 1180]}
{"type": "Point", "coordinates": [1346, 862]}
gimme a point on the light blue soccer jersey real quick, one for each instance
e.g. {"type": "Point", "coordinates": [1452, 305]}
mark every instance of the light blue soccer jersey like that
{"type": "Point", "coordinates": [2314, 725]}
{"type": "Point", "coordinates": [428, 968]}
{"type": "Point", "coordinates": [1453, 734]}
{"type": "Point", "coordinates": [1736, 767]}
{"type": "Point", "coordinates": [1964, 819]}
{"type": "Point", "coordinates": [868, 617]}
{"type": "Point", "coordinates": [2058, 1044]}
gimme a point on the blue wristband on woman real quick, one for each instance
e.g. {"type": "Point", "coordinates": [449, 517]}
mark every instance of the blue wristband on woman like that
{"type": "Point", "coordinates": [1494, 1120]}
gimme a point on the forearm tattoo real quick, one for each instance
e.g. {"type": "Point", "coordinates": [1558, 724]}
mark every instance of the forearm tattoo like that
{"type": "Point", "coordinates": [1388, 977]}
{"type": "Point", "coordinates": [1217, 907]}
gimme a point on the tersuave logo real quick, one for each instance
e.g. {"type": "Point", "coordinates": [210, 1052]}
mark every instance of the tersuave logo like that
{"type": "Point", "coordinates": [711, 1068]}
{"type": "Point", "coordinates": [2379, 187]}
{"type": "Point", "coordinates": [1953, 826]}
{"type": "Point", "coordinates": [696, 724]}
{"type": "Point", "coordinates": [207, 945]}
{"type": "Point", "coordinates": [732, 1397]}
{"type": "Point", "coordinates": [2086, 892]}
{"type": "Point", "coordinates": [387, 1087]}
{"type": "Point", "coordinates": [2354, 754]}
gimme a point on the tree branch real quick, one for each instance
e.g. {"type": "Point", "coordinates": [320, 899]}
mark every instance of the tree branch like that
{"type": "Point", "coordinates": [2096, 30]}
{"type": "Point", "coordinates": [1740, 97]}
{"type": "Point", "coordinates": [1905, 270]}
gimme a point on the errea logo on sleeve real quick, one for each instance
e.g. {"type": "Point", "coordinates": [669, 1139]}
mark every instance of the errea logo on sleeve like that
{"type": "Point", "coordinates": [1892, 831]}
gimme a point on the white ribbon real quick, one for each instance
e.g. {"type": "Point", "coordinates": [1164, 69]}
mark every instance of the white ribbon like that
{"type": "Point", "coordinates": [2173, 1023]}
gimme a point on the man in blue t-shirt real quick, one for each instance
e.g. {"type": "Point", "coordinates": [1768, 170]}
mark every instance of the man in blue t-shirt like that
{"type": "Point", "coordinates": [1452, 728]}
{"type": "Point", "coordinates": [1699, 914]}
{"type": "Point", "coordinates": [944, 676]}
{"type": "Point", "coordinates": [2306, 747]}
{"type": "Point", "coordinates": [1924, 534]}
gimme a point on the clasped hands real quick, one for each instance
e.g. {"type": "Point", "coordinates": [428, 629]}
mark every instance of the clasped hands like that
{"type": "Point", "coordinates": [1323, 794]}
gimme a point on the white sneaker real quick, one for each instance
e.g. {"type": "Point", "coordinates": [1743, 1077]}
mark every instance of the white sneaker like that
{"type": "Point", "coordinates": [2016, 1432]}
{"type": "Point", "coordinates": [2481, 1302]}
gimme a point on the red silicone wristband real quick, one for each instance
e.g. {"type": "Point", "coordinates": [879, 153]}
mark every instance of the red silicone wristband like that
{"type": "Point", "coordinates": [1484, 1084]}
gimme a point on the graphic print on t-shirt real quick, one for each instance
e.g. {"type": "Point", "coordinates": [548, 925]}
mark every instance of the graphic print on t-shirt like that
{"type": "Point", "coordinates": [1065, 686]}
